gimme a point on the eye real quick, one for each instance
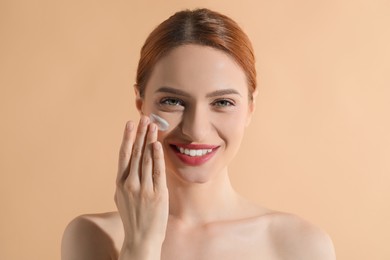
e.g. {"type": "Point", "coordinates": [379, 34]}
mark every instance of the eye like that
{"type": "Point", "coordinates": [223, 103]}
{"type": "Point", "coordinates": [171, 101]}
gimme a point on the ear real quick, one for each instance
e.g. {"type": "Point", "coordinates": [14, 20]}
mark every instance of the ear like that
{"type": "Point", "coordinates": [139, 101]}
{"type": "Point", "coordinates": [251, 107]}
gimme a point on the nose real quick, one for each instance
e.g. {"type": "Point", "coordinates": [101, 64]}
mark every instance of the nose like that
{"type": "Point", "coordinates": [196, 124]}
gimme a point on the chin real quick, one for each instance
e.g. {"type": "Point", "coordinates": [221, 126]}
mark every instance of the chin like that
{"type": "Point", "coordinates": [189, 176]}
{"type": "Point", "coordinates": [195, 175]}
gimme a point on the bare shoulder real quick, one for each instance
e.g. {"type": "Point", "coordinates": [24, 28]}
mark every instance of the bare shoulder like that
{"type": "Point", "coordinates": [92, 236]}
{"type": "Point", "coordinates": [296, 238]}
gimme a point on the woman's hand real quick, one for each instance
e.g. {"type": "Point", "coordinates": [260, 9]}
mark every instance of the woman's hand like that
{"type": "Point", "coordinates": [142, 195]}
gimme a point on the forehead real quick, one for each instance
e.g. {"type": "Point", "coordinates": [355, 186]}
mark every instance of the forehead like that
{"type": "Point", "coordinates": [197, 69]}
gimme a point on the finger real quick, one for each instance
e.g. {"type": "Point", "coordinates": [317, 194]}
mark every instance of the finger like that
{"type": "Point", "coordinates": [136, 155]}
{"type": "Point", "coordinates": [125, 152]}
{"type": "Point", "coordinates": [147, 160]}
{"type": "Point", "coordinates": [159, 177]}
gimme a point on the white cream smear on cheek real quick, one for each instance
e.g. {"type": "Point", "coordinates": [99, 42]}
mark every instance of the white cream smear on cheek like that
{"type": "Point", "coordinates": [162, 124]}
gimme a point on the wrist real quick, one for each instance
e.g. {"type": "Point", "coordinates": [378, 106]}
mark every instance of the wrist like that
{"type": "Point", "coordinates": [141, 251]}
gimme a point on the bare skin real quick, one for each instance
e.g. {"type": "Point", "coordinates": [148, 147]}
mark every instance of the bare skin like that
{"type": "Point", "coordinates": [169, 208]}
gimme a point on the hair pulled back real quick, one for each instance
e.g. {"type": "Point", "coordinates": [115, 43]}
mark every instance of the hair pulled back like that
{"type": "Point", "coordinates": [201, 27]}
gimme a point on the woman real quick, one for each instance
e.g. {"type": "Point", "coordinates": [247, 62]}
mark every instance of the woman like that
{"type": "Point", "coordinates": [174, 197]}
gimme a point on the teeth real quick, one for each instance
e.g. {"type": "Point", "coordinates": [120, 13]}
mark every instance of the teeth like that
{"type": "Point", "coordinates": [194, 152]}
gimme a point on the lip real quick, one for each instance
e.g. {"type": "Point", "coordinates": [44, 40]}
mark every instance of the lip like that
{"type": "Point", "coordinates": [194, 160]}
{"type": "Point", "coordinates": [195, 146]}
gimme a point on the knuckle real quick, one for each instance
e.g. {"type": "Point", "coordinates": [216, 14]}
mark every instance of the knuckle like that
{"type": "Point", "coordinates": [124, 154]}
{"type": "Point", "coordinates": [131, 187]}
{"type": "Point", "coordinates": [141, 129]}
{"type": "Point", "coordinates": [156, 172]}
{"type": "Point", "coordinates": [147, 160]}
{"type": "Point", "coordinates": [137, 151]}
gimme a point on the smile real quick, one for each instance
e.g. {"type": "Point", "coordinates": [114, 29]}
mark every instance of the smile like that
{"type": "Point", "coordinates": [194, 154]}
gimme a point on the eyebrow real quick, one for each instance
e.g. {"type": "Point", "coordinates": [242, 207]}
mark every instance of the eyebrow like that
{"type": "Point", "coordinates": [215, 93]}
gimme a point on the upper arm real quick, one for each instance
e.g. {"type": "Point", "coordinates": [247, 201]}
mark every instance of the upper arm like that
{"type": "Point", "coordinates": [84, 240]}
{"type": "Point", "coordinates": [297, 239]}
{"type": "Point", "coordinates": [317, 245]}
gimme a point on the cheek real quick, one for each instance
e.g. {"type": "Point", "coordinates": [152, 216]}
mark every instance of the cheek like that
{"type": "Point", "coordinates": [163, 134]}
{"type": "Point", "coordinates": [231, 127]}
{"type": "Point", "coordinates": [235, 121]}
{"type": "Point", "coordinates": [173, 120]}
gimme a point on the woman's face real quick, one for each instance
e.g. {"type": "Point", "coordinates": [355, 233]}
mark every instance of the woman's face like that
{"type": "Point", "coordinates": [203, 94]}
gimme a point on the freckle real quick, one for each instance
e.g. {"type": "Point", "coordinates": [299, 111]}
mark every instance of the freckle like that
{"type": "Point", "coordinates": [162, 124]}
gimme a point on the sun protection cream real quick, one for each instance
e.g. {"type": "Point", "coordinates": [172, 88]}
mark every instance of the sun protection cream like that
{"type": "Point", "coordinates": [159, 121]}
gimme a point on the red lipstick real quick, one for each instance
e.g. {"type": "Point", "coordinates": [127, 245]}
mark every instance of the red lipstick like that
{"type": "Point", "coordinates": [187, 154]}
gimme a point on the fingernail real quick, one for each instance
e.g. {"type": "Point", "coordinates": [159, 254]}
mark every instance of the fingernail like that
{"type": "Point", "coordinates": [152, 127]}
{"type": "Point", "coordinates": [144, 120]}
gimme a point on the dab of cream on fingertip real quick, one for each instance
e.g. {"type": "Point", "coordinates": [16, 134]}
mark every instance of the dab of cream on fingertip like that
{"type": "Point", "coordinates": [159, 121]}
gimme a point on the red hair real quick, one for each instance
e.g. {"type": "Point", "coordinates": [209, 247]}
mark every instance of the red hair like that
{"type": "Point", "coordinates": [201, 27]}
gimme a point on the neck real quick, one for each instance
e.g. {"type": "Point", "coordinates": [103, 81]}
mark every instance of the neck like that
{"type": "Point", "coordinates": [197, 203]}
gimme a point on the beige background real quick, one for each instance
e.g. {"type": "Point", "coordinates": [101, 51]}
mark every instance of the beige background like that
{"type": "Point", "coordinates": [319, 144]}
